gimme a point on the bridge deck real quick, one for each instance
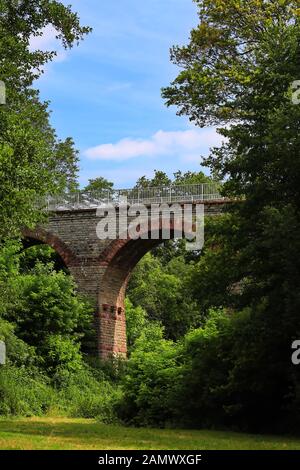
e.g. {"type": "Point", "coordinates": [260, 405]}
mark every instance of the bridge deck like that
{"type": "Point", "coordinates": [193, 193]}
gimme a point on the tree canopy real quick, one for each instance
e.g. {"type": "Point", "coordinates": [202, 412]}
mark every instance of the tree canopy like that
{"type": "Point", "coordinates": [98, 185]}
{"type": "Point", "coordinates": [33, 160]}
{"type": "Point", "coordinates": [160, 178]}
{"type": "Point", "coordinates": [237, 71]}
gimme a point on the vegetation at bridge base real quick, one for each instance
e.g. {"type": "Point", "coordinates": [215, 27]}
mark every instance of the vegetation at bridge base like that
{"type": "Point", "coordinates": [47, 328]}
{"type": "Point", "coordinates": [45, 325]}
{"type": "Point", "coordinates": [227, 371]}
{"type": "Point", "coordinates": [230, 373]}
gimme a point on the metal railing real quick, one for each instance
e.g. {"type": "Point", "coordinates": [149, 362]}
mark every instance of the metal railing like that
{"type": "Point", "coordinates": [182, 194]}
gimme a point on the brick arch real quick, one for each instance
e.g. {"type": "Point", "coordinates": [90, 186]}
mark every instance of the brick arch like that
{"type": "Point", "coordinates": [48, 238]}
{"type": "Point", "coordinates": [118, 260]}
{"type": "Point", "coordinates": [121, 245]}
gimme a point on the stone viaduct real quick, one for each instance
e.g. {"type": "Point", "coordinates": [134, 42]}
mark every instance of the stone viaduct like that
{"type": "Point", "coordinates": [102, 267]}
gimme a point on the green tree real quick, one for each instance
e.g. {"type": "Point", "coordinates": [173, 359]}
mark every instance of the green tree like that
{"type": "Point", "coordinates": [100, 186]}
{"type": "Point", "coordinates": [238, 70]}
{"type": "Point", "coordinates": [33, 161]}
{"type": "Point", "coordinates": [160, 178]}
{"type": "Point", "coordinates": [152, 375]}
{"type": "Point", "coordinates": [9, 269]}
{"type": "Point", "coordinates": [164, 293]}
{"type": "Point", "coordinates": [43, 254]}
{"type": "Point", "coordinates": [190, 177]}
{"type": "Point", "coordinates": [47, 305]}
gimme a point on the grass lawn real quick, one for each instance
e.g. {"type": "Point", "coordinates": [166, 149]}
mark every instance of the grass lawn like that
{"type": "Point", "coordinates": [77, 434]}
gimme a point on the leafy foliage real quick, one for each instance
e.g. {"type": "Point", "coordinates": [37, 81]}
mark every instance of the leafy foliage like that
{"type": "Point", "coordinates": [164, 294]}
{"type": "Point", "coordinates": [160, 178]}
{"type": "Point", "coordinates": [33, 161]}
{"type": "Point", "coordinates": [24, 392]}
{"type": "Point", "coordinates": [149, 382]}
{"type": "Point", "coordinates": [48, 304]}
{"type": "Point", "coordinates": [99, 185]}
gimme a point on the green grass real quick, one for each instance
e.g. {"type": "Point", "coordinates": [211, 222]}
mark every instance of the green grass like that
{"type": "Point", "coordinates": [75, 434]}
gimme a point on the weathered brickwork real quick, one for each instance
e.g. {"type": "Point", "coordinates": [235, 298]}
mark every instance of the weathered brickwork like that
{"type": "Point", "coordinates": [101, 268]}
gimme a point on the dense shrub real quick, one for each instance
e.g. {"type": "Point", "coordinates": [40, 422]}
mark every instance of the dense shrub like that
{"type": "Point", "coordinates": [48, 305]}
{"type": "Point", "coordinates": [240, 372]}
{"type": "Point", "coordinates": [164, 292]}
{"type": "Point", "coordinates": [150, 382]}
{"type": "Point", "coordinates": [24, 392]}
{"type": "Point", "coordinates": [231, 372]}
{"type": "Point", "coordinates": [84, 394]}
{"type": "Point", "coordinates": [60, 352]}
{"type": "Point", "coordinates": [18, 352]}
{"type": "Point", "coordinates": [87, 394]}
{"type": "Point", "coordinates": [46, 327]}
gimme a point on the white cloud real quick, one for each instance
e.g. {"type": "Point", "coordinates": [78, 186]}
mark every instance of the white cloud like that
{"type": "Point", "coordinates": [122, 178]}
{"type": "Point", "coordinates": [180, 143]}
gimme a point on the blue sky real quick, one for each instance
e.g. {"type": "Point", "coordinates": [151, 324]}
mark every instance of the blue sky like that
{"type": "Point", "coordinates": [106, 92]}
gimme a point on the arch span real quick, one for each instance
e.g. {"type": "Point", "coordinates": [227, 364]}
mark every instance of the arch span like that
{"type": "Point", "coordinates": [43, 236]}
{"type": "Point", "coordinates": [118, 260]}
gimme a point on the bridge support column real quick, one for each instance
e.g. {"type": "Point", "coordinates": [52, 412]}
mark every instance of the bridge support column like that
{"type": "Point", "coordinates": [112, 320]}
{"type": "Point", "coordinates": [106, 286]}
{"type": "Point", "coordinates": [112, 332]}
